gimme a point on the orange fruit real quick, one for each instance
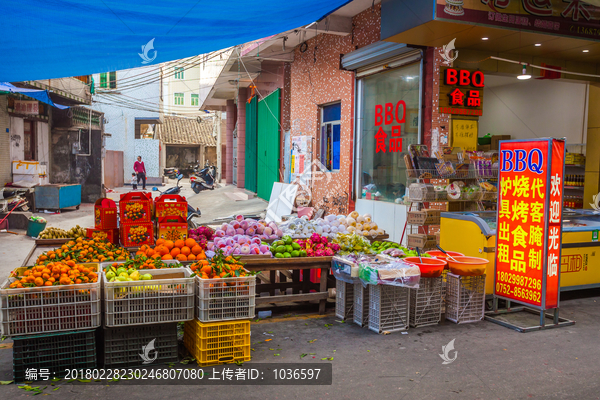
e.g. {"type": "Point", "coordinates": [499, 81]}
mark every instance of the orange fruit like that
{"type": "Point", "coordinates": [185, 250]}
{"type": "Point", "coordinates": [189, 242]}
{"type": "Point", "coordinates": [163, 250]}
{"type": "Point", "coordinates": [167, 257]}
{"type": "Point", "coordinates": [181, 257]}
{"type": "Point", "coordinates": [191, 257]}
{"type": "Point", "coordinates": [156, 255]}
{"type": "Point", "coordinates": [175, 252]}
{"type": "Point", "coordinates": [169, 244]}
{"type": "Point", "coordinates": [149, 252]}
{"type": "Point", "coordinates": [139, 253]}
{"type": "Point", "coordinates": [160, 241]}
{"type": "Point", "coordinates": [179, 243]}
{"type": "Point", "coordinates": [196, 249]}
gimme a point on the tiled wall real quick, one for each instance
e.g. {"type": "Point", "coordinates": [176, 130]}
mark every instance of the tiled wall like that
{"type": "Point", "coordinates": [149, 150]}
{"type": "Point", "coordinates": [316, 79]}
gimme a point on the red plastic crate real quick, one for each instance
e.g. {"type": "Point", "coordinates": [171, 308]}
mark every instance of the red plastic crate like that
{"type": "Point", "coordinates": [135, 208]}
{"type": "Point", "coordinates": [172, 228]}
{"type": "Point", "coordinates": [110, 235]}
{"type": "Point", "coordinates": [105, 214]}
{"type": "Point", "coordinates": [137, 235]}
{"type": "Point", "coordinates": [170, 205]}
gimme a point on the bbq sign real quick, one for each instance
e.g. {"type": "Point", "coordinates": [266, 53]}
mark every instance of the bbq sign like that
{"type": "Point", "coordinates": [529, 231]}
{"type": "Point", "coordinates": [393, 115]}
{"type": "Point", "coordinates": [461, 91]}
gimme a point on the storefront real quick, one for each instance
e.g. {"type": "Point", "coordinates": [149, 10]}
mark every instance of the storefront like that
{"type": "Point", "coordinates": [387, 120]}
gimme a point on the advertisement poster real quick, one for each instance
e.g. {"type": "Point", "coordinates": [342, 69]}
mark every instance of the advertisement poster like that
{"type": "Point", "coordinates": [300, 156]}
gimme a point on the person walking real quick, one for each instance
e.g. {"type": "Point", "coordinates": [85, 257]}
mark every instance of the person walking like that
{"type": "Point", "coordinates": [140, 170]}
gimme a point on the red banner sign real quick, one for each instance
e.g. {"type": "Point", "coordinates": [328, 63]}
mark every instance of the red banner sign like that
{"type": "Point", "coordinates": [394, 115]}
{"type": "Point", "coordinates": [529, 229]}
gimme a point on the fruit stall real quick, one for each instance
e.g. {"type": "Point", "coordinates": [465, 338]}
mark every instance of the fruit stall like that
{"type": "Point", "coordinates": [140, 271]}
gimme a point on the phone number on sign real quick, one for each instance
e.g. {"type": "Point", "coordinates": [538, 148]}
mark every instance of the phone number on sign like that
{"type": "Point", "coordinates": [142, 374]}
{"type": "Point", "coordinates": [519, 280]}
{"type": "Point", "coordinates": [518, 292]}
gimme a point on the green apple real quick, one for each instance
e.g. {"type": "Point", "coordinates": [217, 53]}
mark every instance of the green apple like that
{"type": "Point", "coordinates": [110, 275]}
{"type": "Point", "coordinates": [146, 277]}
{"type": "Point", "coordinates": [131, 271]}
{"type": "Point", "coordinates": [121, 270]}
{"type": "Point", "coordinates": [121, 278]}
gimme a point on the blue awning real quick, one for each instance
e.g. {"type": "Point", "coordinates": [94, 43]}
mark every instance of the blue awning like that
{"type": "Point", "coordinates": [41, 95]}
{"type": "Point", "coordinates": [53, 39]}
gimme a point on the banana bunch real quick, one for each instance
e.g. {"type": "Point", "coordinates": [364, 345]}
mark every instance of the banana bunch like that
{"type": "Point", "coordinates": [57, 233]}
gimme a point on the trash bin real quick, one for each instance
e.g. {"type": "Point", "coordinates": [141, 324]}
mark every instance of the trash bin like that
{"type": "Point", "coordinates": [34, 228]}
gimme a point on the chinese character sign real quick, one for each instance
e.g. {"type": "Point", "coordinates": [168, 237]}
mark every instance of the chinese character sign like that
{"type": "Point", "coordinates": [528, 241]}
{"type": "Point", "coordinates": [393, 115]}
{"type": "Point", "coordinates": [461, 91]}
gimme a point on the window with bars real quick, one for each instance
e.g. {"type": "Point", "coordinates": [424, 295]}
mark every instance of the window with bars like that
{"type": "Point", "coordinates": [108, 80]}
{"type": "Point", "coordinates": [194, 99]}
{"type": "Point", "coordinates": [178, 99]}
{"type": "Point", "coordinates": [178, 72]}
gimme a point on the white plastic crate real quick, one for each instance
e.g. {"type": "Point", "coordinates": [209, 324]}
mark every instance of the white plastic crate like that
{"type": "Point", "coordinates": [465, 298]}
{"type": "Point", "coordinates": [149, 302]}
{"type": "Point", "coordinates": [344, 300]}
{"type": "Point", "coordinates": [426, 303]}
{"type": "Point", "coordinates": [361, 305]}
{"type": "Point", "coordinates": [226, 299]}
{"type": "Point", "coordinates": [388, 308]}
{"type": "Point", "coordinates": [47, 309]}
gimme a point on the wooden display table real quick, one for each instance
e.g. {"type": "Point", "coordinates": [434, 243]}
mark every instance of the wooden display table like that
{"type": "Point", "coordinates": [277, 268]}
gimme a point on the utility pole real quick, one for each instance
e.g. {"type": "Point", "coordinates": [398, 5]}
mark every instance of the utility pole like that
{"type": "Point", "coordinates": [217, 131]}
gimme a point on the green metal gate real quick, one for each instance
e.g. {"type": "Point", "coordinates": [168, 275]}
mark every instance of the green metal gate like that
{"type": "Point", "coordinates": [251, 144]}
{"type": "Point", "coordinates": [269, 110]}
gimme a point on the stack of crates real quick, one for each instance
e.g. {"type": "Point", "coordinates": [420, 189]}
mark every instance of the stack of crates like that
{"type": "Point", "coordinates": [140, 318]}
{"type": "Point", "coordinates": [135, 214]}
{"type": "Point", "coordinates": [388, 308]}
{"type": "Point", "coordinates": [344, 300]}
{"type": "Point", "coordinates": [361, 305]}
{"type": "Point", "coordinates": [52, 326]}
{"type": "Point", "coordinates": [426, 303]}
{"type": "Point", "coordinates": [220, 333]}
{"type": "Point", "coordinates": [465, 298]}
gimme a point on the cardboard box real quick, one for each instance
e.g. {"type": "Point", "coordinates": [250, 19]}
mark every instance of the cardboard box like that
{"type": "Point", "coordinates": [421, 241]}
{"type": "Point", "coordinates": [105, 214]}
{"type": "Point", "coordinates": [137, 235]}
{"type": "Point", "coordinates": [170, 205]}
{"type": "Point", "coordinates": [484, 147]}
{"type": "Point", "coordinates": [424, 217]}
{"type": "Point", "coordinates": [110, 235]}
{"type": "Point", "coordinates": [172, 228]}
{"type": "Point", "coordinates": [28, 168]}
{"type": "Point", "coordinates": [496, 139]}
{"type": "Point", "coordinates": [135, 208]}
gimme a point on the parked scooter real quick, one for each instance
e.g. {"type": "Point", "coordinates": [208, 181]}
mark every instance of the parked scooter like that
{"type": "Point", "coordinates": [192, 212]}
{"type": "Point", "coordinates": [171, 173]}
{"type": "Point", "coordinates": [171, 190]}
{"type": "Point", "coordinates": [204, 180]}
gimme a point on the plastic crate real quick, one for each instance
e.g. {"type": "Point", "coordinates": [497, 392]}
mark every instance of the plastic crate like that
{"type": "Point", "coordinates": [388, 308]}
{"type": "Point", "coordinates": [361, 305]}
{"type": "Point", "coordinates": [56, 353]}
{"type": "Point", "coordinates": [226, 299]}
{"type": "Point", "coordinates": [46, 309]}
{"type": "Point", "coordinates": [465, 298]}
{"type": "Point", "coordinates": [150, 302]}
{"type": "Point", "coordinates": [426, 303]}
{"type": "Point", "coordinates": [344, 300]}
{"type": "Point", "coordinates": [217, 343]}
{"type": "Point", "coordinates": [122, 347]}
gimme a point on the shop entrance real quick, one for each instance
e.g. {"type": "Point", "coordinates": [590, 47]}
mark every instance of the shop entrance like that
{"type": "Point", "coordinates": [29, 141]}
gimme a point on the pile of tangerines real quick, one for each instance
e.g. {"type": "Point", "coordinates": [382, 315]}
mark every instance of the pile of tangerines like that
{"type": "Point", "coordinates": [180, 250]}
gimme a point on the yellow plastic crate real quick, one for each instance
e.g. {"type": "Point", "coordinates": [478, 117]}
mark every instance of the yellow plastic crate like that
{"type": "Point", "coordinates": [216, 343]}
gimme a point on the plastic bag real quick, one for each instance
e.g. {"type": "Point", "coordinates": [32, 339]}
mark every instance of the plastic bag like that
{"type": "Point", "coordinates": [394, 273]}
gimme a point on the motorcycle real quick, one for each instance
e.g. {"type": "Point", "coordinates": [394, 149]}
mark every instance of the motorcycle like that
{"type": "Point", "coordinates": [171, 190]}
{"type": "Point", "coordinates": [171, 173]}
{"type": "Point", "coordinates": [192, 212]}
{"type": "Point", "coordinates": [204, 180]}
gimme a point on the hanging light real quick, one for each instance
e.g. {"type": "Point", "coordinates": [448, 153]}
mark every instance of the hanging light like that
{"type": "Point", "coordinates": [524, 75]}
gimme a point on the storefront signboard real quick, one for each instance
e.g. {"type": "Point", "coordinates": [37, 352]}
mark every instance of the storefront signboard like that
{"type": "Point", "coordinates": [389, 114]}
{"type": "Point", "coordinates": [27, 107]}
{"type": "Point", "coordinates": [574, 18]}
{"type": "Point", "coordinates": [461, 91]}
{"type": "Point", "coordinates": [528, 252]}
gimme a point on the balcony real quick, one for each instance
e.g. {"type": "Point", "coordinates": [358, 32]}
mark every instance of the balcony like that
{"type": "Point", "coordinates": [67, 91]}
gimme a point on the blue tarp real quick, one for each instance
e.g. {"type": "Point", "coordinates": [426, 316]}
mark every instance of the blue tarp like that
{"type": "Point", "coordinates": [41, 95]}
{"type": "Point", "coordinates": [43, 39]}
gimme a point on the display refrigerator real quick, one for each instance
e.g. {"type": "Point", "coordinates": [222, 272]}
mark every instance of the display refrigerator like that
{"type": "Point", "coordinates": [474, 234]}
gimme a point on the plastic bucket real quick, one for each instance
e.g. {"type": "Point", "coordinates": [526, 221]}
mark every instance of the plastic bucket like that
{"type": "Point", "coordinates": [430, 267]}
{"type": "Point", "coordinates": [468, 266]}
{"type": "Point", "coordinates": [34, 228]}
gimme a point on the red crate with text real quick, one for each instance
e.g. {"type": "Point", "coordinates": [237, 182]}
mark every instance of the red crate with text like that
{"type": "Point", "coordinates": [137, 235]}
{"type": "Point", "coordinates": [172, 228]}
{"type": "Point", "coordinates": [135, 208]}
{"type": "Point", "coordinates": [105, 214]}
{"type": "Point", "coordinates": [170, 205]}
{"type": "Point", "coordinates": [529, 221]}
{"type": "Point", "coordinates": [109, 235]}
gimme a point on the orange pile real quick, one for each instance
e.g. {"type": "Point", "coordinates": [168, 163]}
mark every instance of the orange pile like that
{"type": "Point", "coordinates": [56, 273]}
{"type": "Point", "coordinates": [220, 266]}
{"type": "Point", "coordinates": [85, 251]}
{"type": "Point", "coordinates": [180, 250]}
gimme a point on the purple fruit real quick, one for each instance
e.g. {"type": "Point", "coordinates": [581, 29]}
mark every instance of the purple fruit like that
{"type": "Point", "coordinates": [244, 225]}
{"type": "Point", "coordinates": [268, 231]}
{"type": "Point", "coordinates": [264, 248]}
{"type": "Point", "coordinates": [279, 232]}
{"type": "Point", "coordinates": [230, 231]}
{"type": "Point", "coordinates": [237, 252]}
{"type": "Point", "coordinates": [250, 232]}
{"type": "Point", "coordinates": [273, 237]}
{"type": "Point", "coordinates": [229, 242]}
{"type": "Point", "coordinates": [241, 240]}
{"type": "Point", "coordinates": [254, 250]}
{"type": "Point", "coordinates": [239, 218]}
{"type": "Point", "coordinates": [210, 246]}
{"type": "Point", "coordinates": [220, 233]}
{"type": "Point", "coordinates": [268, 253]}
{"type": "Point", "coordinates": [260, 229]}
{"type": "Point", "coordinates": [228, 249]}
{"type": "Point", "coordinates": [224, 226]}
{"type": "Point", "coordinates": [239, 231]}
{"type": "Point", "coordinates": [262, 222]}
{"type": "Point", "coordinates": [245, 250]}
{"type": "Point", "coordinates": [255, 240]}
